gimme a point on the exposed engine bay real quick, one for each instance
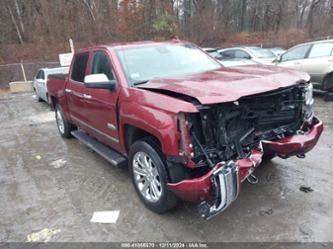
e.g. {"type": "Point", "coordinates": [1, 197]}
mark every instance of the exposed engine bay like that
{"type": "Point", "coordinates": [230, 130]}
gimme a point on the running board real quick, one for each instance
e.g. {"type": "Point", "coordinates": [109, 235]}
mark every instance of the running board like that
{"type": "Point", "coordinates": [109, 154]}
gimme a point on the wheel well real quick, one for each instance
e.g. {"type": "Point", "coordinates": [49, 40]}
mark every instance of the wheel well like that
{"type": "Point", "coordinates": [175, 171]}
{"type": "Point", "coordinates": [133, 134]}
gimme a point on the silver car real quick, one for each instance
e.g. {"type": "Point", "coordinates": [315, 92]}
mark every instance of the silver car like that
{"type": "Point", "coordinates": [315, 58]}
{"type": "Point", "coordinates": [213, 52]}
{"type": "Point", "coordinates": [256, 54]}
{"type": "Point", "coordinates": [40, 80]}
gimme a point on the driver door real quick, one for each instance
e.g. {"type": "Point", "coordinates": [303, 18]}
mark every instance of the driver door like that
{"type": "Point", "coordinates": [294, 57]}
{"type": "Point", "coordinates": [101, 107]}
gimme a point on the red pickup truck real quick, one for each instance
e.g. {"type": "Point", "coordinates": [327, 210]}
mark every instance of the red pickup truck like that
{"type": "Point", "coordinates": [186, 126]}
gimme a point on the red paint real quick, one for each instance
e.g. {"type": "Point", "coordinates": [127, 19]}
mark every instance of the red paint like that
{"type": "Point", "coordinates": [199, 189]}
{"type": "Point", "coordinates": [229, 84]}
{"type": "Point", "coordinates": [157, 114]}
{"type": "Point", "coordinates": [298, 144]}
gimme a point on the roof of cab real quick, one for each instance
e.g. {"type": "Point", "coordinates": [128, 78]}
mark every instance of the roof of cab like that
{"type": "Point", "coordinates": [314, 42]}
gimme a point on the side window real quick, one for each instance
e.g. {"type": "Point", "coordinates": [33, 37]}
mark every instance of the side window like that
{"type": "Point", "coordinates": [229, 54]}
{"type": "Point", "coordinates": [40, 75]}
{"type": "Point", "coordinates": [101, 64]}
{"type": "Point", "coordinates": [297, 53]}
{"type": "Point", "coordinates": [321, 50]}
{"type": "Point", "coordinates": [79, 66]}
{"type": "Point", "coordinates": [242, 54]}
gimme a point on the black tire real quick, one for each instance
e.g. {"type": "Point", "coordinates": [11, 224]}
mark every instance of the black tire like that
{"type": "Point", "coordinates": [328, 83]}
{"type": "Point", "coordinates": [267, 157]}
{"type": "Point", "coordinates": [63, 126]}
{"type": "Point", "coordinates": [38, 98]}
{"type": "Point", "coordinates": [167, 199]}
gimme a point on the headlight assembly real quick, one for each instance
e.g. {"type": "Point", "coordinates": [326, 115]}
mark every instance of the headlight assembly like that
{"type": "Point", "coordinates": [309, 94]}
{"type": "Point", "coordinates": [308, 101]}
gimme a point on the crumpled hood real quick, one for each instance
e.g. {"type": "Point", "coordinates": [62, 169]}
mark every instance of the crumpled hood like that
{"type": "Point", "coordinates": [229, 84]}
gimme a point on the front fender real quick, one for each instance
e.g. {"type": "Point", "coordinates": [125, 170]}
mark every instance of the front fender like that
{"type": "Point", "coordinates": [154, 113]}
{"type": "Point", "coordinates": [160, 124]}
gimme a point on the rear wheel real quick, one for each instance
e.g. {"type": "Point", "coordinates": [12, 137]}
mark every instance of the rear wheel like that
{"type": "Point", "coordinates": [64, 127]}
{"type": "Point", "coordinates": [149, 176]}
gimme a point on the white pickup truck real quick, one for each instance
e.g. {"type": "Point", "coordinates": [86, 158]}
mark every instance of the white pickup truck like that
{"type": "Point", "coordinates": [40, 81]}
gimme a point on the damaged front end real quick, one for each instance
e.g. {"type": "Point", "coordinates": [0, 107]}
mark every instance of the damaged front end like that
{"type": "Point", "coordinates": [226, 142]}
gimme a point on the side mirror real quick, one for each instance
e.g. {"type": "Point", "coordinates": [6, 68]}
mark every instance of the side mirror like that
{"type": "Point", "coordinates": [99, 81]}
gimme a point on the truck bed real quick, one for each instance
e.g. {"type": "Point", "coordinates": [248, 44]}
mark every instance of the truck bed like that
{"type": "Point", "coordinates": [56, 84]}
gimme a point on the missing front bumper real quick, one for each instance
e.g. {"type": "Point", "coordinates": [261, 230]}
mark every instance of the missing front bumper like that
{"type": "Point", "coordinates": [208, 189]}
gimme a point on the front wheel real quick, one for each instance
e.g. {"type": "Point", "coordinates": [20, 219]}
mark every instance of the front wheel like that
{"type": "Point", "coordinates": [64, 127]}
{"type": "Point", "coordinates": [328, 83]}
{"type": "Point", "coordinates": [149, 176]}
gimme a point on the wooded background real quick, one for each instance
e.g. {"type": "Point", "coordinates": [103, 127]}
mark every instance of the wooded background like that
{"type": "Point", "coordinates": [40, 29]}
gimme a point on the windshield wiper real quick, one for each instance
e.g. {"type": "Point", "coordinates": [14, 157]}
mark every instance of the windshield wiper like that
{"type": "Point", "coordinates": [139, 82]}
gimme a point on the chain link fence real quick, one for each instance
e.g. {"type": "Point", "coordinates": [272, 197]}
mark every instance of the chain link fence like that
{"type": "Point", "coordinates": [15, 71]}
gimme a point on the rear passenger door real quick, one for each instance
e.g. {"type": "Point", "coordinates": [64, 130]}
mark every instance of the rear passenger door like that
{"type": "Point", "coordinates": [102, 104]}
{"type": "Point", "coordinates": [319, 60]}
{"type": "Point", "coordinates": [76, 92]}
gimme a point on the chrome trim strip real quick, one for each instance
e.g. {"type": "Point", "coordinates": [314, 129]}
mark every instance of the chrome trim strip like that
{"type": "Point", "coordinates": [98, 131]}
{"type": "Point", "coordinates": [86, 96]}
{"type": "Point", "coordinates": [227, 181]}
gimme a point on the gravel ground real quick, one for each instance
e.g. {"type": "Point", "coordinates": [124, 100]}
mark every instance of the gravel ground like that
{"type": "Point", "coordinates": [50, 188]}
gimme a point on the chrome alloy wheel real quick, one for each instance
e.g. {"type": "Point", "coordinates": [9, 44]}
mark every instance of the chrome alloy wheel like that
{"type": "Point", "coordinates": [146, 177]}
{"type": "Point", "coordinates": [60, 122]}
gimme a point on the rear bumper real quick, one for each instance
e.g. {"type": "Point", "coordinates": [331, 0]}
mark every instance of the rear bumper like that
{"type": "Point", "coordinates": [205, 190]}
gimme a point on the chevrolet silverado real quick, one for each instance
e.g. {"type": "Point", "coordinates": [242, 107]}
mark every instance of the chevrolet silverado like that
{"type": "Point", "coordinates": [187, 127]}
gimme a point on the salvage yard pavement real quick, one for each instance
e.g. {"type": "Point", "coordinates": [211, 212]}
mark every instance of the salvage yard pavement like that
{"type": "Point", "coordinates": [53, 189]}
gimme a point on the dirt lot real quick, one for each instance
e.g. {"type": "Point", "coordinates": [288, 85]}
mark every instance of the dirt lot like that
{"type": "Point", "coordinates": [47, 182]}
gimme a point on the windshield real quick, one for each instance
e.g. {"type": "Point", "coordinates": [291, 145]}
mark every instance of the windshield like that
{"type": "Point", "coordinates": [277, 49]}
{"type": "Point", "coordinates": [261, 52]}
{"type": "Point", "coordinates": [144, 63]}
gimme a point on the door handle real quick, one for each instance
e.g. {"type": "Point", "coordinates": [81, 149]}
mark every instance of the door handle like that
{"type": "Point", "coordinates": [86, 96]}
{"type": "Point", "coordinates": [68, 90]}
